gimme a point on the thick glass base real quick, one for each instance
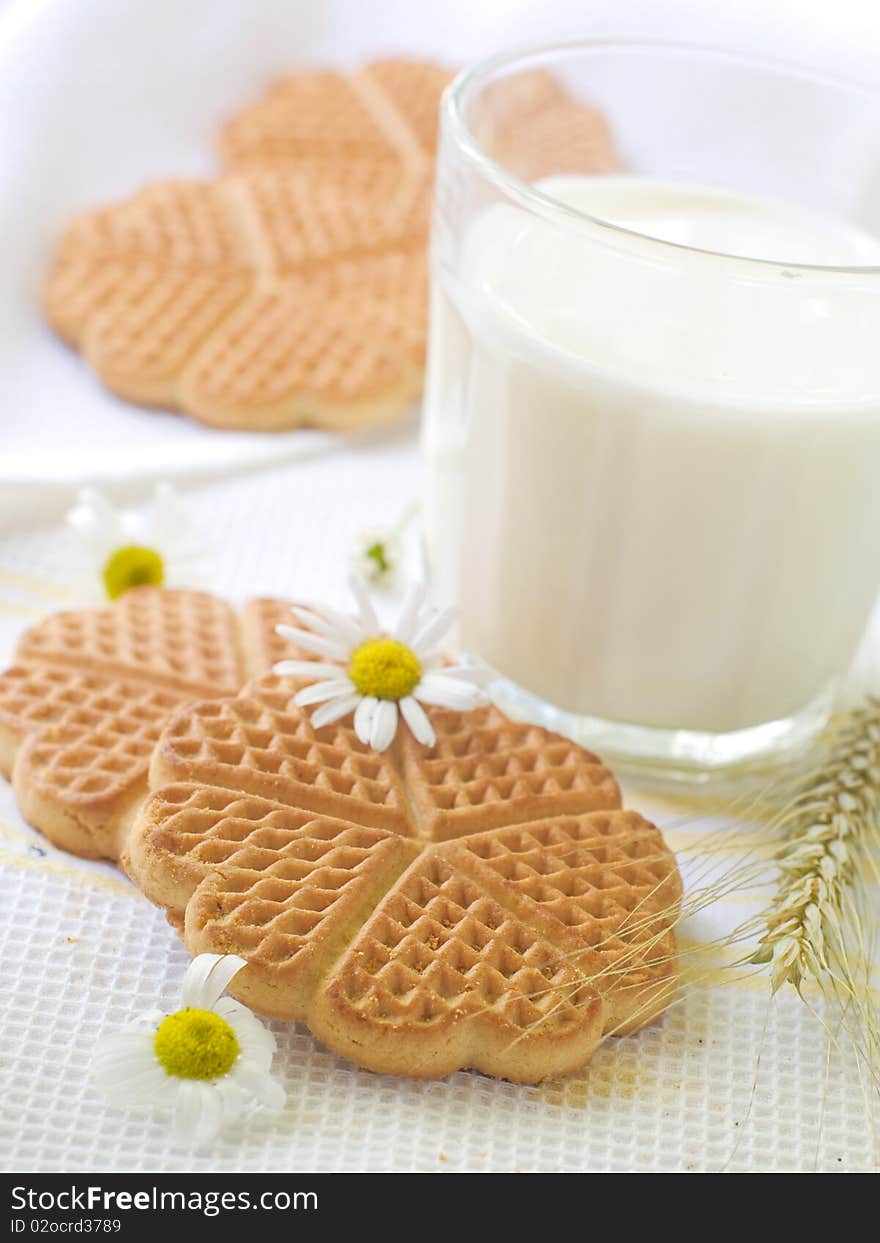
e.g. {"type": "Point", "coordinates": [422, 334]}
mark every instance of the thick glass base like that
{"type": "Point", "coordinates": [676, 755]}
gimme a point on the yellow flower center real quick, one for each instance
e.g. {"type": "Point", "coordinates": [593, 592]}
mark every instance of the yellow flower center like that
{"type": "Point", "coordinates": [378, 554]}
{"type": "Point", "coordinates": [195, 1044]}
{"type": "Point", "coordinates": [132, 566]}
{"type": "Point", "coordinates": [385, 669]}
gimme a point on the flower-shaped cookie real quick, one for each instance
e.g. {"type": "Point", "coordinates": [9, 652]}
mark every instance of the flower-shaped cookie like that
{"type": "Point", "coordinates": [91, 690]}
{"type": "Point", "coordinates": [290, 291]}
{"type": "Point", "coordinates": [261, 300]}
{"type": "Point", "coordinates": [482, 902]}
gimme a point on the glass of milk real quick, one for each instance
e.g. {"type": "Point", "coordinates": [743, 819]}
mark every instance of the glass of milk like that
{"type": "Point", "coordinates": [652, 428]}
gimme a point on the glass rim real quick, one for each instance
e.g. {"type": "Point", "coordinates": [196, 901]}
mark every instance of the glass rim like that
{"type": "Point", "coordinates": [460, 91]}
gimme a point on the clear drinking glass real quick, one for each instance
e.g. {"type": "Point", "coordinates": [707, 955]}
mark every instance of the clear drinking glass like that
{"type": "Point", "coordinates": [652, 427]}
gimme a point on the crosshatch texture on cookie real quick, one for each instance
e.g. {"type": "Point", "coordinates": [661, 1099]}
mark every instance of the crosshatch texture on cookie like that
{"type": "Point", "coordinates": [605, 887]}
{"type": "Point", "coordinates": [186, 639]}
{"type": "Point", "coordinates": [589, 900]}
{"type": "Point", "coordinates": [386, 112]}
{"type": "Point", "coordinates": [442, 977]}
{"type": "Point", "coordinates": [485, 771]}
{"type": "Point", "coordinates": [258, 744]}
{"type": "Point", "coordinates": [305, 116]}
{"type": "Point", "coordinates": [81, 724]}
{"type": "Point", "coordinates": [298, 221]}
{"type": "Point", "coordinates": [324, 341]}
{"type": "Point", "coordinates": [81, 711]}
{"type": "Point", "coordinates": [438, 945]}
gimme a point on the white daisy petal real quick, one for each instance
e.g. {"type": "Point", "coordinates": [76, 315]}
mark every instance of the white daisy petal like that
{"type": "Point", "coordinates": [146, 1094]}
{"type": "Point", "coordinates": [196, 977]}
{"type": "Point", "coordinates": [253, 1043]}
{"type": "Point", "coordinates": [311, 669]}
{"type": "Point", "coordinates": [151, 1094]}
{"type": "Point", "coordinates": [416, 718]}
{"type": "Point", "coordinates": [249, 1029]}
{"type": "Point", "coordinates": [228, 1008]}
{"type": "Point", "coordinates": [254, 1060]}
{"type": "Point", "coordinates": [333, 649]}
{"type": "Point", "coordinates": [363, 718]}
{"type": "Point", "coordinates": [146, 1021]}
{"type": "Point", "coordinates": [147, 1018]}
{"type": "Point", "coordinates": [410, 615]}
{"type": "Point", "coordinates": [266, 1090]}
{"type": "Point", "coordinates": [108, 1067]}
{"type": "Point", "coordinates": [435, 688]}
{"type": "Point", "coordinates": [384, 725]}
{"type": "Point", "coordinates": [93, 513]}
{"type": "Point", "coordinates": [125, 1052]}
{"type": "Point", "coordinates": [212, 1114]}
{"type": "Point", "coordinates": [316, 621]}
{"type": "Point", "coordinates": [252, 1032]}
{"type": "Point", "coordinates": [207, 978]}
{"type": "Point", "coordinates": [433, 630]}
{"type": "Point", "coordinates": [231, 1097]}
{"type": "Point", "coordinates": [132, 1084]}
{"type": "Point", "coordinates": [332, 624]}
{"type": "Point", "coordinates": [254, 1035]}
{"type": "Point", "coordinates": [188, 1110]}
{"type": "Point", "coordinates": [334, 711]}
{"type": "Point", "coordinates": [368, 619]}
{"type": "Point", "coordinates": [129, 1083]}
{"type": "Point", "coordinates": [121, 1043]}
{"type": "Point", "coordinates": [319, 692]}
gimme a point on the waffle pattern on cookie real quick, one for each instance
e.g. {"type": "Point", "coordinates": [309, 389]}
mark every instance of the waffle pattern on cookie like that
{"type": "Point", "coordinates": [451, 978]}
{"type": "Point", "coordinates": [258, 744]}
{"type": "Point", "coordinates": [182, 638]}
{"type": "Point", "coordinates": [480, 903]}
{"type": "Point", "coordinates": [604, 882]}
{"type": "Point", "coordinates": [486, 770]}
{"type": "Point", "coordinates": [384, 113]}
{"type": "Point", "coordinates": [291, 290]}
{"type": "Point", "coordinates": [91, 691]}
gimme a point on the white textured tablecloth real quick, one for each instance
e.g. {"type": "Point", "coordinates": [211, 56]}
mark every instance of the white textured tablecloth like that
{"type": "Point", "coordinates": [80, 949]}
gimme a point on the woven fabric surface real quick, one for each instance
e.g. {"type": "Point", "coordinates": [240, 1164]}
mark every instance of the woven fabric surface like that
{"type": "Point", "coordinates": [728, 1080]}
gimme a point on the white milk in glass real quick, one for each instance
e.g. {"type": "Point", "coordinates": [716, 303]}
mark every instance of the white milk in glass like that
{"type": "Point", "coordinates": [653, 490]}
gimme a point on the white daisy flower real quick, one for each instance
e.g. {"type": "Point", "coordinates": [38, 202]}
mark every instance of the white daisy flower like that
{"type": "Point", "coordinates": [377, 555]}
{"type": "Point", "coordinates": [208, 1061]}
{"type": "Point", "coordinates": [115, 549]}
{"type": "Point", "coordinates": [378, 676]}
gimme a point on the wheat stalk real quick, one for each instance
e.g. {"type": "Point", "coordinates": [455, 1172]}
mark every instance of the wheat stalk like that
{"type": "Point", "coordinates": [832, 841]}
